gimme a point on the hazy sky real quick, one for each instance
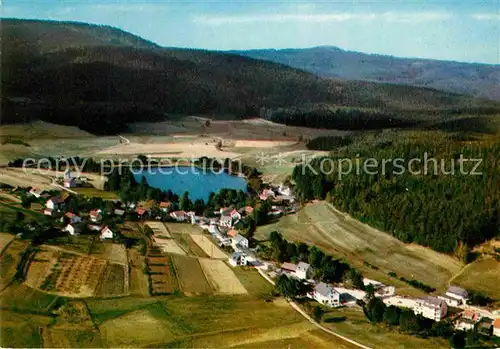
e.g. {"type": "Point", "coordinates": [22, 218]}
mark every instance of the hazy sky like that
{"type": "Point", "coordinates": [452, 30]}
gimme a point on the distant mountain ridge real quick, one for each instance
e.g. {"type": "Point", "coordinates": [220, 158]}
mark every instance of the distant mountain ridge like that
{"type": "Point", "coordinates": [100, 78]}
{"type": "Point", "coordinates": [481, 80]}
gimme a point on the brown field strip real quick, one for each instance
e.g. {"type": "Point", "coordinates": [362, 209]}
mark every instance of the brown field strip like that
{"type": "Point", "coordinates": [113, 281]}
{"type": "Point", "coordinates": [190, 275]}
{"type": "Point", "coordinates": [208, 247]}
{"type": "Point", "coordinates": [221, 277]}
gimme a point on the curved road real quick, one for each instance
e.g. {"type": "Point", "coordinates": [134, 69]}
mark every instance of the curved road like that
{"type": "Point", "coordinates": [311, 320]}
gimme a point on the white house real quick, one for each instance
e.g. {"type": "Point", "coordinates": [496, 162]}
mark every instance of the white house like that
{"type": "Point", "coordinates": [235, 215]}
{"type": "Point", "coordinates": [496, 327]}
{"type": "Point", "coordinates": [69, 182]}
{"type": "Point", "coordinates": [179, 216]}
{"type": "Point", "coordinates": [226, 221]}
{"type": "Point", "coordinates": [165, 206]}
{"type": "Point", "coordinates": [457, 293]}
{"type": "Point", "coordinates": [325, 294]}
{"type": "Point", "coordinates": [237, 258]}
{"type": "Point", "coordinates": [73, 218]}
{"type": "Point", "coordinates": [303, 270]}
{"type": "Point", "coordinates": [381, 290]}
{"type": "Point", "coordinates": [451, 302]}
{"type": "Point", "coordinates": [106, 233]}
{"type": "Point", "coordinates": [73, 229]}
{"type": "Point", "coordinates": [431, 308]}
{"type": "Point", "coordinates": [465, 325]}
{"type": "Point", "coordinates": [54, 203]}
{"type": "Point", "coordinates": [95, 216]}
{"type": "Point", "coordinates": [36, 192]}
{"type": "Point", "coordinates": [239, 241]}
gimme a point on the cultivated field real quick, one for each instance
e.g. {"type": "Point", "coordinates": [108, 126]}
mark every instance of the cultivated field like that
{"type": "Point", "coordinates": [191, 278]}
{"type": "Point", "coordinates": [187, 244]}
{"type": "Point", "coordinates": [9, 260]}
{"type": "Point", "coordinates": [113, 282]}
{"type": "Point", "coordinates": [115, 253]}
{"type": "Point", "coordinates": [208, 246]}
{"type": "Point", "coordinates": [139, 281]}
{"type": "Point", "coordinates": [158, 228]}
{"type": "Point", "coordinates": [183, 228]}
{"type": "Point", "coordinates": [40, 267]}
{"type": "Point", "coordinates": [5, 240]}
{"type": "Point", "coordinates": [74, 275]}
{"type": "Point", "coordinates": [336, 233]}
{"type": "Point", "coordinates": [482, 275]}
{"type": "Point", "coordinates": [23, 298]}
{"type": "Point", "coordinates": [221, 277]}
{"type": "Point", "coordinates": [167, 245]}
{"type": "Point", "coordinates": [162, 274]}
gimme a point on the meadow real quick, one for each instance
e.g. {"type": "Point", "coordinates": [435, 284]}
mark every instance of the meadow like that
{"type": "Point", "coordinates": [482, 275]}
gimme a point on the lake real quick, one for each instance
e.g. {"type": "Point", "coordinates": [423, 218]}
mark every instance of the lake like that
{"type": "Point", "coordinates": [191, 179]}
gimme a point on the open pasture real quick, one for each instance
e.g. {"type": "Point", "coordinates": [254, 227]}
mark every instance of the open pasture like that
{"type": "Point", "coordinates": [114, 281]}
{"type": "Point", "coordinates": [115, 253]}
{"type": "Point", "coordinates": [336, 233]}
{"type": "Point", "coordinates": [40, 267]}
{"type": "Point", "coordinates": [74, 275]}
{"type": "Point", "coordinates": [221, 277]}
{"type": "Point", "coordinates": [482, 275]}
{"type": "Point", "coordinates": [20, 297]}
{"type": "Point", "coordinates": [191, 278]}
{"type": "Point", "coordinates": [210, 249]}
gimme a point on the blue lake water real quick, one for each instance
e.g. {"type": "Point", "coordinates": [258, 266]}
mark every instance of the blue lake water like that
{"type": "Point", "coordinates": [193, 180]}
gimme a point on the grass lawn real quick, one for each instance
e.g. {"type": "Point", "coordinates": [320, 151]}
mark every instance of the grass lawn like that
{"type": "Point", "coordinates": [482, 275]}
{"type": "Point", "coordinates": [357, 327]}
{"type": "Point", "coordinates": [321, 225]}
{"type": "Point", "coordinates": [254, 283]}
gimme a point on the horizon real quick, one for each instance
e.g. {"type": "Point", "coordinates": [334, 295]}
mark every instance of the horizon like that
{"type": "Point", "coordinates": [463, 32]}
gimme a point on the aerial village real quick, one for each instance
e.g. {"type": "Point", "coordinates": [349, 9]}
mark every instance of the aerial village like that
{"type": "Point", "coordinates": [222, 229]}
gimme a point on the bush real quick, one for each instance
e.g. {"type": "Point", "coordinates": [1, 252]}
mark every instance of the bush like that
{"type": "Point", "coordinates": [333, 319]}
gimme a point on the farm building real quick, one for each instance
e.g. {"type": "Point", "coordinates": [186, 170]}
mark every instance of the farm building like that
{"type": "Point", "coordinates": [119, 212]}
{"type": "Point", "coordinates": [381, 290]}
{"type": "Point", "coordinates": [106, 233]}
{"type": "Point", "coordinates": [166, 206]}
{"type": "Point", "coordinates": [69, 181]}
{"type": "Point", "coordinates": [303, 271]}
{"type": "Point", "coordinates": [179, 216]}
{"type": "Point", "coordinates": [226, 221]}
{"type": "Point", "coordinates": [235, 215]}
{"type": "Point", "coordinates": [54, 203]}
{"type": "Point", "coordinates": [451, 302]}
{"type": "Point", "coordinates": [73, 229]}
{"type": "Point", "coordinates": [239, 241]}
{"type": "Point", "coordinates": [37, 193]}
{"type": "Point", "coordinates": [325, 294]}
{"type": "Point", "coordinates": [248, 210]}
{"type": "Point", "coordinates": [141, 212]}
{"type": "Point", "coordinates": [73, 218]}
{"type": "Point", "coordinates": [289, 267]}
{"type": "Point", "coordinates": [431, 308]}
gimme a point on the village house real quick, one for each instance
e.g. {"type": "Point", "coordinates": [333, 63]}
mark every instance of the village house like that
{"type": "Point", "coordinates": [303, 271]}
{"type": "Point", "coordinates": [431, 308]}
{"type": "Point", "coordinates": [237, 258]}
{"type": "Point", "coordinates": [235, 215]}
{"type": "Point", "coordinates": [179, 216]}
{"type": "Point", "coordinates": [73, 229]}
{"type": "Point", "coordinates": [214, 231]}
{"type": "Point", "coordinates": [288, 268]}
{"type": "Point", "coordinates": [468, 320]}
{"type": "Point", "coordinates": [325, 294]}
{"type": "Point", "coordinates": [457, 293]}
{"type": "Point", "coordinates": [73, 218]}
{"type": "Point", "coordinates": [226, 221]}
{"type": "Point", "coordinates": [166, 206]}
{"type": "Point", "coordinates": [94, 227]}
{"type": "Point", "coordinates": [142, 212]}
{"type": "Point", "coordinates": [267, 193]}
{"type": "Point", "coordinates": [239, 241]}
{"type": "Point", "coordinates": [69, 181]}
{"type": "Point", "coordinates": [496, 327]}
{"type": "Point", "coordinates": [95, 216]}
{"type": "Point", "coordinates": [248, 210]}
{"type": "Point", "coordinates": [381, 290]}
{"type": "Point", "coordinates": [54, 203]}
{"type": "Point", "coordinates": [106, 233]}
{"type": "Point", "coordinates": [37, 193]}
{"type": "Point", "coordinates": [119, 212]}
{"type": "Point", "coordinates": [451, 302]}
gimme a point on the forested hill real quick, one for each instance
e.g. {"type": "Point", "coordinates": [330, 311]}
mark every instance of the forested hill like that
{"type": "Point", "coordinates": [481, 80]}
{"type": "Point", "coordinates": [99, 78]}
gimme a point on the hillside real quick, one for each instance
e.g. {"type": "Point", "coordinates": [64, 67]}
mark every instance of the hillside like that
{"type": "Point", "coordinates": [480, 80]}
{"type": "Point", "coordinates": [99, 78]}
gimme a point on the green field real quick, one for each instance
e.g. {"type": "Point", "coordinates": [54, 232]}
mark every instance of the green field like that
{"type": "Point", "coordinates": [338, 234]}
{"type": "Point", "coordinates": [190, 275]}
{"type": "Point", "coordinates": [94, 192]}
{"type": "Point", "coordinates": [20, 297]}
{"type": "Point", "coordinates": [254, 283]}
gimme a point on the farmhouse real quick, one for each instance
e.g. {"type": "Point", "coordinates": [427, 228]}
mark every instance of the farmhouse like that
{"type": "Point", "coordinates": [248, 210]}
{"type": "Point", "coordinates": [267, 193]}
{"type": "Point", "coordinates": [69, 182]}
{"type": "Point", "coordinates": [237, 258]}
{"type": "Point", "coordinates": [431, 308]}
{"type": "Point", "coordinates": [496, 327]}
{"type": "Point", "coordinates": [325, 294]}
{"type": "Point", "coordinates": [452, 302]}
{"type": "Point", "coordinates": [141, 212]}
{"type": "Point", "coordinates": [457, 293]}
{"type": "Point", "coordinates": [381, 290]}
{"type": "Point", "coordinates": [239, 241]}
{"type": "Point", "coordinates": [73, 229]}
{"type": "Point", "coordinates": [49, 212]}
{"type": "Point", "coordinates": [106, 233]}
{"type": "Point", "coordinates": [94, 227]}
{"type": "Point", "coordinates": [166, 206]}
{"type": "Point", "coordinates": [179, 216]}
{"type": "Point", "coordinates": [303, 270]}
{"type": "Point", "coordinates": [226, 221]}
{"type": "Point", "coordinates": [471, 315]}
{"type": "Point", "coordinates": [465, 325]}
{"type": "Point", "coordinates": [235, 215]}
{"type": "Point", "coordinates": [119, 212]}
{"type": "Point", "coordinates": [73, 218]}
{"type": "Point", "coordinates": [95, 216]}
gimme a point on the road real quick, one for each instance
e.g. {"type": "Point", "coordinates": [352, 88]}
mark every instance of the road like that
{"type": "Point", "coordinates": [311, 320]}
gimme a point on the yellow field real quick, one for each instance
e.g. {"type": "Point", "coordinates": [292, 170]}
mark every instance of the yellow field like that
{"type": "Point", "coordinates": [321, 225]}
{"type": "Point", "coordinates": [168, 245]}
{"type": "Point", "coordinates": [158, 228]}
{"type": "Point", "coordinates": [482, 275]}
{"type": "Point", "coordinates": [208, 247]}
{"type": "Point", "coordinates": [5, 240]}
{"type": "Point", "coordinates": [221, 277]}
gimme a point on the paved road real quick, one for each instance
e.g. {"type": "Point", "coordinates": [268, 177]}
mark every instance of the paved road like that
{"type": "Point", "coordinates": [311, 320]}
